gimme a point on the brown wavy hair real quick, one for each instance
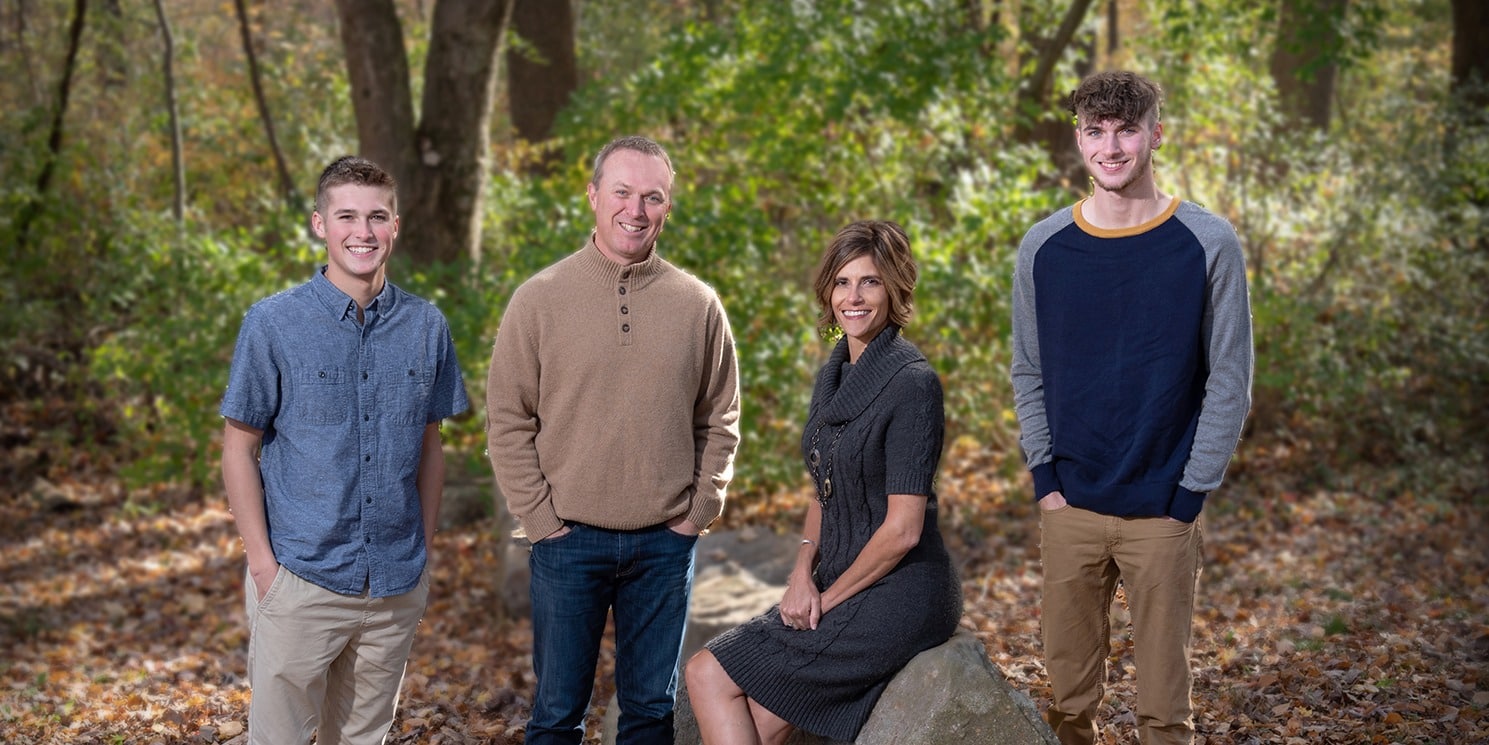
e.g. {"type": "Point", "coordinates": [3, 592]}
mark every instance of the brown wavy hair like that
{"type": "Point", "coordinates": [886, 243]}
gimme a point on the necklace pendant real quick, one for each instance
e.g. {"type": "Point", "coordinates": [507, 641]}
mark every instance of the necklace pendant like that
{"type": "Point", "coordinates": [826, 488]}
{"type": "Point", "coordinates": [815, 458]}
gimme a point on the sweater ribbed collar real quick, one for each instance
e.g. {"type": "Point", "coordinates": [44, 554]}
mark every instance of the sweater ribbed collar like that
{"type": "Point", "coordinates": [844, 391]}
{"type": "Point", "coordinates": [596, 266]}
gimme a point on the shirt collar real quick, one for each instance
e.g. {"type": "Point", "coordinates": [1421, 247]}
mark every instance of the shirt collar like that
{"type": "Point", "coordinates": [341, 306]}
{"type": "Point", "coordinates": [598, 266]}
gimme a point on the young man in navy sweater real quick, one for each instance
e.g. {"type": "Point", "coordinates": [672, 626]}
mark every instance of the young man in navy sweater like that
{"type": "Point", "coordinates": [1131, 370]}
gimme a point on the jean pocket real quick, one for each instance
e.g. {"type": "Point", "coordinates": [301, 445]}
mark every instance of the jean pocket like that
{"type": "Point", "coordinates": [687, 539]}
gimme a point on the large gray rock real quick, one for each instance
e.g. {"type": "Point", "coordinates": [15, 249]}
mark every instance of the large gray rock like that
{"type": "Point", "coordinates": [947, 694]}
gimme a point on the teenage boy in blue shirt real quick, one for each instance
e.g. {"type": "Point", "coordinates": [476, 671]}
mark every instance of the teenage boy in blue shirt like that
{"type": "Point", "coordinates": [334, 471]}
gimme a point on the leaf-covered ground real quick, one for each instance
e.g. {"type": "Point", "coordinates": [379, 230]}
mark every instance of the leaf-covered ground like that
{"type": "Point", "coordinates": [1327, 617]}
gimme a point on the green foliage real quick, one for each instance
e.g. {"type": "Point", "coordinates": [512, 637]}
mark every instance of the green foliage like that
{"type": "Point", "coordinates": [784, 125]}
{"type": "Point", "coordinates": [176, 314]}
{"type": "Point", "coordinates": [786, 120]}
{"type": "Point", "coordinates": [1366, 275]}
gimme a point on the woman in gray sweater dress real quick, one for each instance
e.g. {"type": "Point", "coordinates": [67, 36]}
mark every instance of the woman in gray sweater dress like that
{"type": "Point", "coordinates": [873, 585]}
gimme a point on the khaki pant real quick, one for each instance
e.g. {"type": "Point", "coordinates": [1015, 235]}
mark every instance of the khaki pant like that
{"type": "Point", "coordinates": [322, 661]}
{"type": "Point", "coordinates": [1158, 562]}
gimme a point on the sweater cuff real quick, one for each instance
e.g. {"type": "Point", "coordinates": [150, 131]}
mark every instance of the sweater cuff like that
{"type": "Point", "coordinates": [705, 509]}
{"type": "Point", "coordinates": [541, 523]}
{"type": "Point", "coordinates": [1045, 480]}
{"type": "Point", "coordinates": [1186, 505]}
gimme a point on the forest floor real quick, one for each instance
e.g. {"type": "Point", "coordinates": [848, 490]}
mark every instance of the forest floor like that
{"type": "Point", "coordinates": [1324, 617]}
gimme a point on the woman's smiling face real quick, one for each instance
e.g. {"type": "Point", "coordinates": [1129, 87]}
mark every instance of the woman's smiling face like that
{"type": "Point", "coordinates": [860, 303]}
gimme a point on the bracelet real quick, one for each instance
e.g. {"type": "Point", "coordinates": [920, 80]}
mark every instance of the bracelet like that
{"type": "Point", "coordinates": [806, 541]}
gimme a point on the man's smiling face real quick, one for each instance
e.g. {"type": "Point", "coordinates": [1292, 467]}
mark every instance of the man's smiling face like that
{"type": "Point", "coordinates": [358, 226]}
{"type": "Point", "coordinates": [630, 202]}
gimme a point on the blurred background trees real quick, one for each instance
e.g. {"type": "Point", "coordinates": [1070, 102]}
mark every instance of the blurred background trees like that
{"type": "Point", "coordinates": [157, 162]}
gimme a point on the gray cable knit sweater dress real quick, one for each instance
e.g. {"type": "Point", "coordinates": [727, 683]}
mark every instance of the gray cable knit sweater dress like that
{"type": "Point", "coordinates": [877, 426]}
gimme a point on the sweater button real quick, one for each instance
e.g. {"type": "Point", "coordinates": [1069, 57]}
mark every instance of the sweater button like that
{"type": "Point", "coordinates": [625, 327]}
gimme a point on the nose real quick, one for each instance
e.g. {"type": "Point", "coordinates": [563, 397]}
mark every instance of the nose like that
{"type": "Point", "coordinates": [636, 206]}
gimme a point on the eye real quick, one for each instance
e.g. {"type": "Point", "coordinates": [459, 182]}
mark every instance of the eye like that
{"type": "Point", "coordinates": [841, 281]}
{"type": "Point", "coordinates": [653, 199]}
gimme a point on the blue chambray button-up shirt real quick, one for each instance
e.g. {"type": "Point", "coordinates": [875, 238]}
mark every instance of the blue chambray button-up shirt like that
{"type": "Point", "coordinates": [343, 406]}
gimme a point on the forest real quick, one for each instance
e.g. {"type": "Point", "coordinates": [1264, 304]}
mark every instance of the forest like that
{"type": "Point", "coordinates": [157, 170]}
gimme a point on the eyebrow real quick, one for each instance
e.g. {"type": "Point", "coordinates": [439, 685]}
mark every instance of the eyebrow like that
{"type": "Point", "coordinates": [629, 187]}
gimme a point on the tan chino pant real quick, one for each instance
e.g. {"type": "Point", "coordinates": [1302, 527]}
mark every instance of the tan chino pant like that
{"type": "Point", "coordinates": [321, 661]}
{"type": "Point", "coordinates": [1158, 562]}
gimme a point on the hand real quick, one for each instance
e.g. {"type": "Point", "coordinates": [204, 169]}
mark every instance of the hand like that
{"type": "Point", "coordinates": [561, 532]}
{"type": "Point", "coordinates": [1052, 501]}
{"type": "Point", "coordinates": [683, 526]}
{"type": "Point", "coordinates": [801, 606]}
{"type": "Point", "coordinates": [263, 573]}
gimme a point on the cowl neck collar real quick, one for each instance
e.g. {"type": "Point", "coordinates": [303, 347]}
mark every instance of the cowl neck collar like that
{"type": "Point", "coordinates": [844, 391]}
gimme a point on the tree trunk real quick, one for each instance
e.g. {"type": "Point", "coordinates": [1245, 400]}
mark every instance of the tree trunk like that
{"type": "Point", "coordinates": [1469, 101]}
{"type": "Point", "coordinates": [377, 71]}
{"type": "Point", "coordinates": [29, 213]}
{"type": "Point", "coordinates": [1038, 122]}
{"type": "Point", "coordinates": [287, 188]}
{"type": "Point", "coordinates": [541, 73]}
{"type": "Point", "coordinates": [168, 71]}
{"type": "Point", "coordinates": [1303, 63]}
{"type": "Point", "coordinates": [1471, 55]}
{"type": "Point", "coordinates": [441, 165]}
{"type": "Point", "coordinates": [454, 140]}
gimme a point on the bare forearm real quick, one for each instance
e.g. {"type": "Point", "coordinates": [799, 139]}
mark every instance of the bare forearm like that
{"type": "Point", "coordinates": [886, 547]}
{"type": "Point", "coordinates": [431, 481]}
{"type": "Point", "coordinates": [245, 491]}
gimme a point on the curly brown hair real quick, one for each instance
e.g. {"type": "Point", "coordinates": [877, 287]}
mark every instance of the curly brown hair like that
{"type": "Point", "coordinates": [1117, 95]}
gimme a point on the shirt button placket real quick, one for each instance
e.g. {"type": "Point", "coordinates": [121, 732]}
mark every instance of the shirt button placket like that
{"type": "Point", "coordinates": [624, 309]}
{"type": "Point", "coordinates": [366, 401]}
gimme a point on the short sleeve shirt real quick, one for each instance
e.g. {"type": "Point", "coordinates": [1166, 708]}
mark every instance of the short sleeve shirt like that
{"type": "Point", "coordinates": [343, 406]}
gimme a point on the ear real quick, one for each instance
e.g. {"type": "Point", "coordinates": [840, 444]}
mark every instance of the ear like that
{"type": "Point", "coordinates": [593, 192]}
{"type": "Point", "coordinates": [318, 224]}
{"type": "Point", "coordinates": [1158, 135]}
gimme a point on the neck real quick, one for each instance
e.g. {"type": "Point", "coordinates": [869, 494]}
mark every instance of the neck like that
{"type": "Point", "coordinates": [855, 350]}
{"type": "Point", "coordinates": [1128, 208]}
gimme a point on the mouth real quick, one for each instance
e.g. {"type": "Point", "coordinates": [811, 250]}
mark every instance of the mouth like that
{"type": "Point", "coordinates": [629, 228]}
{"type": "Point", "coordinates": [853, 315]}
{"type": "Point", "coordinates": [360, 250]}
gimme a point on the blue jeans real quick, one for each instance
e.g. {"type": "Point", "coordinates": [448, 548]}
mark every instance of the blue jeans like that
{"type": "Point", "coordinates": [647, 577]}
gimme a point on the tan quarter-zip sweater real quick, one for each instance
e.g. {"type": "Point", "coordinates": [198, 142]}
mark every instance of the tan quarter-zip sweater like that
{"type": "Point", "coordinates": [613, 396]}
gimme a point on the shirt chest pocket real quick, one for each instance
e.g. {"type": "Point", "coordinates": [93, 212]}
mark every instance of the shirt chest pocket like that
{"type": "Point", "coordinates": [403, 393]}
{"type": "Point", "coordinates": [323, 395]}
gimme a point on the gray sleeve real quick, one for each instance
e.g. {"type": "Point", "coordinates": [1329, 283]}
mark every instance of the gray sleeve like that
{"type": "Point", "coordinates": [1024, 368]}
{"type": "Point", "coordinates": [1228, 349]}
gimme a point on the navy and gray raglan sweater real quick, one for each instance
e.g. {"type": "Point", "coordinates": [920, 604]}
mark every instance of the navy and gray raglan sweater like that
{"type": "Point", "coordinates": [1132, 359]}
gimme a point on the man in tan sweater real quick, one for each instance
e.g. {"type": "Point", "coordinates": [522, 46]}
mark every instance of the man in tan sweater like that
{"type": "Point", "coordinates": [612, 414]}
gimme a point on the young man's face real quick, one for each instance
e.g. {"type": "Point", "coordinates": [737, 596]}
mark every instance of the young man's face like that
{"type": "Point", "coordinates": [359, 226]}
{"type": "Point", "coordinates": [1118, 154]}
{"type": "Point", "coordinates": [630, 205]}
